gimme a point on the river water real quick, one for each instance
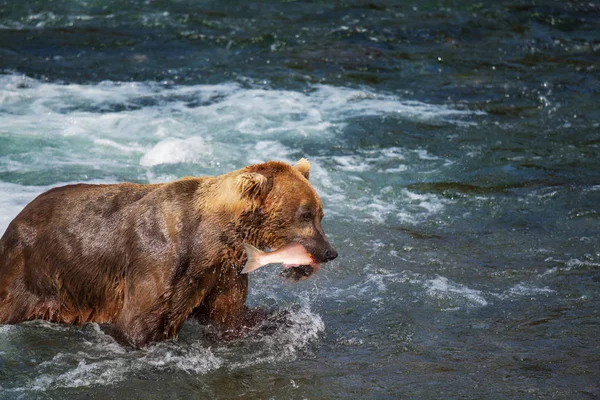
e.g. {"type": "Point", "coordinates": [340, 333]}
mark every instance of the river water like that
{"type": "Point", "coordinates": [455, 146]}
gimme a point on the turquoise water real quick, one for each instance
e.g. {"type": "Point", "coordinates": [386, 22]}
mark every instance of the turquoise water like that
{"type": "Point", "coordinates": [455, 146]}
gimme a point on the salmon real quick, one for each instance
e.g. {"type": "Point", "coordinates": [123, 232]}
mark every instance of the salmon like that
{"type": "Point", "coordinates": [290, 255]}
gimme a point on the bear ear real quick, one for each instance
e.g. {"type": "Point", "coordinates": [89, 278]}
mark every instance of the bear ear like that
{"type": "Point", "coordinates": [303, 166]}
{"type": "Point", "coordinates": [252, 185]}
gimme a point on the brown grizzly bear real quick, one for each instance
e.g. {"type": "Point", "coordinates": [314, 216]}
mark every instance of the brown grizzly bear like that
{"type": "Point", "coordinates": [144, 257]}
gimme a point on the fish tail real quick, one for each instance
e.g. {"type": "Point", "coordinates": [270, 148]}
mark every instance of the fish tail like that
{"type": "Point", "coordinates": [253, 255]}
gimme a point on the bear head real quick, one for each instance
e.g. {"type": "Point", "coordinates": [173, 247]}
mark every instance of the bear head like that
{"type": "Point", "coordinates": [279, 206]}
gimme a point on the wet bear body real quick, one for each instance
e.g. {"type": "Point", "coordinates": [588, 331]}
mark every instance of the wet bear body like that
{"type": "Point", "coordinates": [144, 258]}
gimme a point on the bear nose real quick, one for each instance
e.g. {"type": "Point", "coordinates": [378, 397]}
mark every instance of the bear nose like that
{"type": "Point", "coordinates": [330, 254]}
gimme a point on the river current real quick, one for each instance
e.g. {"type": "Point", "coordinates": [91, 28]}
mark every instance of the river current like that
{"type": "Point", "coordinates": [455, 145]}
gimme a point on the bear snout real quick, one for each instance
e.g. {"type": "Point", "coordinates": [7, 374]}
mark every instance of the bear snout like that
{"type": "Point", "coordinates": [324, 253]}
{"type": "Point", "coordinates": [330, 254]}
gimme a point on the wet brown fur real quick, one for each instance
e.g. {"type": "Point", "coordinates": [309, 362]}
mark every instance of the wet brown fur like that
{"type": "Point", "coordinates": [143, 258]}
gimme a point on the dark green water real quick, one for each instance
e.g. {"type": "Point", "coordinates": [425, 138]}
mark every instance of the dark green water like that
{"type": "Point", "coordinates": [456, 146]}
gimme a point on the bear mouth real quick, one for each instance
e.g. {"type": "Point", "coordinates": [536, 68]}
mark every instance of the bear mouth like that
{"type": "Point", "coordinates": [299, 273]}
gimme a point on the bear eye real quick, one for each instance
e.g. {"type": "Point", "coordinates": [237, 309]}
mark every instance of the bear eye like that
{"type": "Point", "coordinates": [306, 215]}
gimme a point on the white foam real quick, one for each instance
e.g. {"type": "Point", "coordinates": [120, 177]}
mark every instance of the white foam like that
{"type": "Point", "coordinates": [352, 341]}
{"type": "Point", "coordinates": [575, 262]}
{"type": "Point", "coordinates": [389, 205]}
{"type": "Point", "coordinates": [104, 362]}
{"type": "Point", "coordinates": [528, 290]}
{"type": "Point", "coordinates": [351, 163]}
{"type": "Point", "coordinates": [173, 150]}
{"type": "Point", "coordinates": [425, 155]}
{"type": "Point", "coordinates": [6, 329]}
{"type": "Point", "coordinates": [91, 369]}
{"type": "Point", "coordinates": [301, 328]}
{"type": "Point", "coordinates": [376, 282]}
{"type": "Point", "coordinates": [192, 358]}
{"type": "Point", "coordinates": [86, 373]}
{"type": "Point", "coordinates": [266, 150]}
{"type": "Point", "coordinates": [391, 160]}
{"type": "Point", "coordinates": [345, 102]}
{"type": "Point", "coordinates": [396, 170]}
{"type": "Point", "coordinates": [128, 149]}
{"type": "Point", "coordinates": [197, 110]}
{"type": "Point", "coordinates": [98, 360]}
{"type": "Point", "coordinates": [259, 112]}
{"type": "Point", "coordinates": [418, 206]}
{"type": "Point", "coordinates": [443, 288]}
{"type": "Point", "coordinates": [405, 207]}
{"type": "Point", "coordinates": [379, 210]}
